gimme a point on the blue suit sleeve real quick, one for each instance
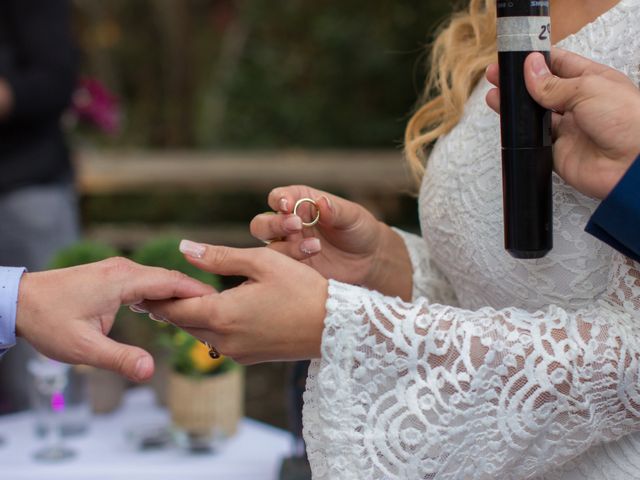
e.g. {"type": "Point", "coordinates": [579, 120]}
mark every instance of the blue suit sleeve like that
{"type": "Point", "coordinates": [9, 283]}
{"type": "Point", "coordinates": [617, 219]}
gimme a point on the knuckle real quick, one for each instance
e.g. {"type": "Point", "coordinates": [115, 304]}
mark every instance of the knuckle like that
{"type": "Point", "coordinates": [549, 86]}
{"type": "Point", "coordinates": [120, 360]}
{"type": "Point", "coordinates": [177, 276]}
{"type": "Point", "coordinates": [219, 255]}
{"type": "Point", "coordinates": [117, 265]}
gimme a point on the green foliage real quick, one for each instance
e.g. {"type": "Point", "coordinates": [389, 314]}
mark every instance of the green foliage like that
{"type": "Point", "coordinates": [82, 253]}
{"type": "Point", "coordinates": [260, 73]}
{"type": "Point", "coordinates": [188, 356]}
{"type": "Point", "coordinates": [163, 252]}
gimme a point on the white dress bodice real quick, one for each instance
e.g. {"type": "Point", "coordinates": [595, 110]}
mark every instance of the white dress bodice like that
{"type": "Point", "coordinates": [498, 368]}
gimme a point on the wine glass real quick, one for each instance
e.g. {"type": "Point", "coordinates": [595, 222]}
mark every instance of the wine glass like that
{"type": "Point", "coordinates": [49, 381]}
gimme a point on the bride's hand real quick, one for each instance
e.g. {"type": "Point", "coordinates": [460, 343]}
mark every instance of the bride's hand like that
{"type": "Point", "coordinates": [344, 245]}
{"type": "Point", "coordinates": [277, 314]}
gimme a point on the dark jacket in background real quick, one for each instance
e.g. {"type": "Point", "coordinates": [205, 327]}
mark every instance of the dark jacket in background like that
{"type": "Point", "coordinates": [39, 60]}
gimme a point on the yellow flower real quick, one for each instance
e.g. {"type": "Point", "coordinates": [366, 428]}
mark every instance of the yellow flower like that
{"type": "Point", "coordinates": [202, 362]}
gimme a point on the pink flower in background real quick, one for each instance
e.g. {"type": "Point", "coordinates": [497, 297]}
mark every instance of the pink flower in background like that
{"type": "Point", "coordinates": [95, 105]}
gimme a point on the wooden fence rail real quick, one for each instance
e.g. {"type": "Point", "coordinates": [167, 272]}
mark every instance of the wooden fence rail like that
{"type": "Point", "coordinates": [375, 178]}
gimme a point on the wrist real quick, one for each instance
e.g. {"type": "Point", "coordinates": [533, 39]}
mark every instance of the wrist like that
{"type": "Point", "coordinates": [391, 269]}
{"type": "Point", "coordinates": [23, 305]}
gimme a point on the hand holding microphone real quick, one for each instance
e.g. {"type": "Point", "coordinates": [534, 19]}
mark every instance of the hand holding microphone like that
{"type": "Point", "coordinates": [596, 119]}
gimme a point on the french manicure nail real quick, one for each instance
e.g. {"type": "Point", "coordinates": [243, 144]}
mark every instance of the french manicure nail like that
{"type": "Point", "coordinates": [157, 318]}
{"type": "Point", "coordinates": [310, 246]}
{"type": "Point", "coordinates": [137, 309]}
{"type": "Point", "coordinates": [329, 204]}
{"type": "Point", "coordinates": [293, 223]}
{"type": "Point", "coordinates": [192, 249]}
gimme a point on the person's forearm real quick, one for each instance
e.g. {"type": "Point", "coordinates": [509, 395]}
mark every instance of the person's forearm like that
{"type": "Point", "coordinates": [392, 270]}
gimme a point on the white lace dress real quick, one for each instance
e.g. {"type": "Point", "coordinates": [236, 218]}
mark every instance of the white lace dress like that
{"type": "Point", "coordinates": [499, 368]}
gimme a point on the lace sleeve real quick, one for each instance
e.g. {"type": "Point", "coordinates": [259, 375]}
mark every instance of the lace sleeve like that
{"type": "Point", "coordinates": [417, 390]}
{"type": "Point", "coordinates": [428, 281]}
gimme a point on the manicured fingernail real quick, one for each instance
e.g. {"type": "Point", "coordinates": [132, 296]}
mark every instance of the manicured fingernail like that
{"type": "Point", "coordinates": [329, 204]}
{"type": "Point", "coordinates": [284, 205]}
{"type": "Point", "coordinates": [192, 249]}
{"type": "Point", "coordinates": [157, 318]}
{"type": "Point", "coordinates": [293, 223]}
{"type": "Point", "coordinates": [310, 246]}
{"type": "Point", "coordinates": [143, 367]}
{"type": "Point", "coordinates": [137, 309]}
{"type": "Point", "coordinates": [539, 65]}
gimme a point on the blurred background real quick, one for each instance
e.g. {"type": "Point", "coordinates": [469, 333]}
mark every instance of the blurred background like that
{"type": "Point", "coordinates": [229, 75]}
{"type": "Point", "coordinates": [184, 114]}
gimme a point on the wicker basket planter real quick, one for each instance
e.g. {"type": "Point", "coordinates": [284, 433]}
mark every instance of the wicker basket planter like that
{"type": "Point", "coordinates": [200, 406]}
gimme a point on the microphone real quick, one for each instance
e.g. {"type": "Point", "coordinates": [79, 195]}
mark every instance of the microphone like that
{"type": "Point", "coordinates": [525, 127]}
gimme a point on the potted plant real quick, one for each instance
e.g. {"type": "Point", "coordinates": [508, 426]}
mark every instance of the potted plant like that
{"type": "Point", "coordinates": [205, 395]}
{"type": "Point", "coordinates": [105, 388]}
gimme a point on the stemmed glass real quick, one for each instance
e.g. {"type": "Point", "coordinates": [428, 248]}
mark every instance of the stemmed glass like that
{"type": "Point", "coordinates": [49, 381]}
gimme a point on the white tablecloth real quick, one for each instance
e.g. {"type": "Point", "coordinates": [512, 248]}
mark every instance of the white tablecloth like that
{"type": "Point", "coordinates": [104, 453]}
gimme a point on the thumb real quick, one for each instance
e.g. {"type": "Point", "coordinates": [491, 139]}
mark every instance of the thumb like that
{"type": "Point", "coordinates": [338, 213]}
{"type": "Point", "coordinates": [132, 362]}
{"type": "Point", "coordinates": [548, 90]}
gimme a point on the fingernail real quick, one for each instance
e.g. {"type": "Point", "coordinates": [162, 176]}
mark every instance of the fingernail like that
{"type": "Point", "coordinates": [143, 366]}
{"type": "Point", "coordinates": [329, 204]}
{"type": "Point", "coordinates": [137, 309]}
{"type": "Point", "coordinates": [192, 249]}
{"type": "Point", "coordinates": [284, 205]}
{"type": "Point", "coordinates": [293, 223]}
{"type": "Point", "coordinates": [157, 318]}
{"type": "Point", "coordinates": [539, 65]}
{"type": "Point", "coordinates": [310, 246]}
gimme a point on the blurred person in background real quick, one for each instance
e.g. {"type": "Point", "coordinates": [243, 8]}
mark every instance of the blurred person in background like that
{"type": "Point", "coordinates": [38, 211]}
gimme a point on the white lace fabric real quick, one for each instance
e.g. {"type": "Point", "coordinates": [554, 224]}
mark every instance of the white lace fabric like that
{"type": "Point", "coordinates": [498, 368]}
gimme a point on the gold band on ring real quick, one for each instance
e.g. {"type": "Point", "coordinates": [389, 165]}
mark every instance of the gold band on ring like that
{"type": "Point", "coordinates": [315, 205]}
{"type": "Point", "coordinates": [213, 353]}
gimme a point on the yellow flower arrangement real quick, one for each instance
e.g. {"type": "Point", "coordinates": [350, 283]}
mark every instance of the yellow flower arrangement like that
{"type": "Point", "coordinates": [191, 357]}
{"type": "Point", "coordinates": [201, 359]}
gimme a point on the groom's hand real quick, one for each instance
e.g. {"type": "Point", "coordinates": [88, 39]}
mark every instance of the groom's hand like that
{"type": "Point", "coordinates": [67, 314]}
{"type": "Point", "coordinates": [596, 119]}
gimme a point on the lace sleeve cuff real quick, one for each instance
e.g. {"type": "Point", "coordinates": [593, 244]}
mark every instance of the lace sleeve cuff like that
{"type": "Point", "coordinates": [428, 281]}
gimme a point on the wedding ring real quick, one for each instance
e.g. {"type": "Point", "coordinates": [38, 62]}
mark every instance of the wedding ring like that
{"type": "Point", "coordinates": [312, 202]}
{"type": "Point", "coordinates": [213, 353]}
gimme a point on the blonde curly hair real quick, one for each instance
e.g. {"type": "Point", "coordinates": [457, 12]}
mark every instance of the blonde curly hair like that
{"type": "Point", "coordinates": [461, 52]}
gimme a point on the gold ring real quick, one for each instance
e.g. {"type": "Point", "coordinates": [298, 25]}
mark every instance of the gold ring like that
{"type": "Point", "coordinates": [312, 202]}
{"type": "Point", "coordinates": [213, 353]}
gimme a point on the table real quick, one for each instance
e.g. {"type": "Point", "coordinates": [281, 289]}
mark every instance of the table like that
{"type": "Point", "coordinates": [254, 453]}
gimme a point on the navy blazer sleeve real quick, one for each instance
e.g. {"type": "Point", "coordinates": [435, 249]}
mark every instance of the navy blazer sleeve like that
{"type": "Point", "coordinates": [617, 219]}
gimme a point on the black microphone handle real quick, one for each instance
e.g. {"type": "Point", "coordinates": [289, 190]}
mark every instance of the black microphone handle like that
{"type": "Point", "coordinates": [527, 158]}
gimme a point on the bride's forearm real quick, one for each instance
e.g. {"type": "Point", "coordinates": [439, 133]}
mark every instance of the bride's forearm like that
{"type": "Point", "coordinates": [391, 273]}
